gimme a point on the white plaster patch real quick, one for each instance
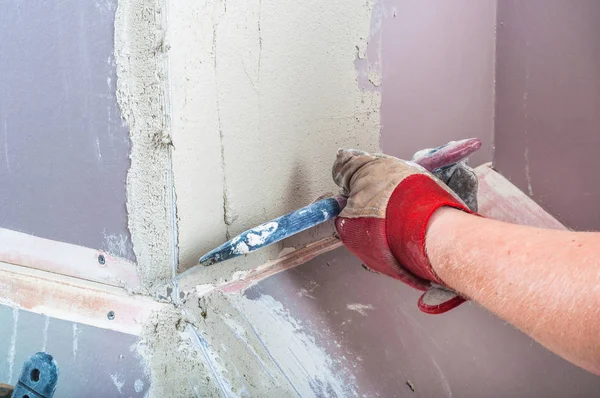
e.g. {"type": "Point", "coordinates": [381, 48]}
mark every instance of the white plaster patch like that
{"type": "Point", "coordinates": [254, 239]}
{"type": "Point", "coordinates": [360, 308]}
{"type": "Point", "coordinates": [201, 290]}
{"type": "Point", "coordinates": [13, 344]}
{"type": "Point", "coordinates": [421, 153]}
{"type": "Point", "coordinates": [263, 95]}
{"type": "Point", "coordinates": [239, 275]}
{"type": "Point", "coordinates": [138, 385]}
{"type": "Point", "coordinates": [98, 151]}
{"type": "Point", "coordinates": [263, 233]}
{"type": "Point", "coordinates": [308, 367]}
{"type": "Point", "coordinates": [75, 339]}
{"type": "Point", "coordinates": [115, 244]}
{"type": "Point", "coordinates": [45, 332]}
{"type": "Point", "coordinates": [118, 381]}
{"type": "Point", "coordinates": [241, 248]}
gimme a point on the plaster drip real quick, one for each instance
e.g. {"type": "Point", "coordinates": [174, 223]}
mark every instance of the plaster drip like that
{"type": "Point", "coordinates": [75, 339]}
{"type": "Point", "coordinates": [45, 332]}
{"type": "Point", "coordinates": [142, 98]}
{"type": "Point", "coordinates": [13, 344]}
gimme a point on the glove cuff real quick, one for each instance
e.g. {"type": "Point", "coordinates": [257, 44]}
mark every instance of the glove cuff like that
{"type": "Point", "coordinates": [409, 209]}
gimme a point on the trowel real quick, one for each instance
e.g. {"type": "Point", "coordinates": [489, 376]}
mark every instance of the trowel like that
{"type": "Point", "coordinates": [437, 160]}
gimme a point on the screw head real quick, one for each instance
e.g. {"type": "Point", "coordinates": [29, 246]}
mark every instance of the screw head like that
{"type": "Point", "coordinates": [110, 315]}
{"type": "Point", "coordinates": [101, 259]}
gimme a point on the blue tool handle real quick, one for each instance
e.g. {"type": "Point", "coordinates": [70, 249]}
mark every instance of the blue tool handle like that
{"type": "Point", "coordinates": [323, 210]}
{"type": "Point", "coordinates": [276, 230]}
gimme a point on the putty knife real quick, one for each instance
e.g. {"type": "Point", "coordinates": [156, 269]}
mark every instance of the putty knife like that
{"type": "Point", "coordinates": [322, 210]}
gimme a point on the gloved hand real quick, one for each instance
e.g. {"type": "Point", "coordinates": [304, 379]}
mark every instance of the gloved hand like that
{"type": "Point", "coordinates": [390, 202]}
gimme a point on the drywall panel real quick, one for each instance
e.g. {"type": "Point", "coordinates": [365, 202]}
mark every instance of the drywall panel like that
{"type": "Point", "coordinates": [63, 145]}
{"type": "Point", "coordinates": [548, 95]}
{"type": "Point", "coordinates": [332, 328]}
{"type": "Point", "coordinates": [263, 94]}
{"type": "Point", "coordinates": [376, 342]}
{"type": "Point", "coordinates": [92, 361]}
{"type": "Point", "coordinates": [437, 74]}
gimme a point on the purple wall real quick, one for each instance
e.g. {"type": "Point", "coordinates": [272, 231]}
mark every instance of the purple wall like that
{"type": "Point", "coordinates": [64, 149]}
{"type": "Point", "coordinates": [437, 61]}
{"type": "Point", "coordinates": [547, 125]}
{"type": "Point", "coordinates": [64, 155]}
{"type": "Point", "coordinates": [437, 64]}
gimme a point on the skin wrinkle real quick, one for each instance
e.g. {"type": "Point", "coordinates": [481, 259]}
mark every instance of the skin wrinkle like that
{"type": "Point", "coordinates": [544, 282]}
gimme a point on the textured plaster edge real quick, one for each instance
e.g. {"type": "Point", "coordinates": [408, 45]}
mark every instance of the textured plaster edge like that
{"type": "Point", "coordinates": [142, 95]}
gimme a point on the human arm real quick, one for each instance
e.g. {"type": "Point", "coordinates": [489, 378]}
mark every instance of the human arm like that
{"type": "Point", "coordinates": [544, 282]}
{"type": "Point", "coordinates": [398, 223]}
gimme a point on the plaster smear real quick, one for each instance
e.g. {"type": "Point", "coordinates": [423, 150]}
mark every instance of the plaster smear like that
{"type": "Point", "coordinates": [173, 361]}
{"type": "Point", "coordinates": [229, 345]}
{"type": "Point", "coordinates": [139, 34]}
{"type": "Point", "coordinates": [263, 94]}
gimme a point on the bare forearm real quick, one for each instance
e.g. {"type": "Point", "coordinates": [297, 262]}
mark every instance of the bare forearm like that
{"type": "Point", "coordinates": [545, 282]}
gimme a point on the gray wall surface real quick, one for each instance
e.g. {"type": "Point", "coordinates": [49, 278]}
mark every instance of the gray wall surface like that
{"type": "Point", "coordinates": [547, 131]}
{"type": "Point", "coordinates": [63, 145]}
{"type": "Point", "coordinates": [92, 362]}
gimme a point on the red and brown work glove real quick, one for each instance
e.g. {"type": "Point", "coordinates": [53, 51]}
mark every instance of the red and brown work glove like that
{"type": "Point", "coordinates": [390, 202]}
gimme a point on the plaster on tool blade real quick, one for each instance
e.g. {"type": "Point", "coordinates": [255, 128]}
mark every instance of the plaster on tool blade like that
{"type": "Point", "coordinates": [322, 210]}
{"type": "Point", "coordinates": [276, 230]}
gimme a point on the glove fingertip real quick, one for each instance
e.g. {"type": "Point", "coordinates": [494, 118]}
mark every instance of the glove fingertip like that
{"type": "Point", "coordinates": [437, 301]}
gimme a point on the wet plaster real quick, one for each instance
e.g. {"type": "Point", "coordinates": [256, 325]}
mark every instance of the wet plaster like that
{"type": "Point", "coordinates": [240, 107]}
{"type": "Point", "coordinates": [263, 94]}
{"type": "Point", "coordinates": [240, 345]}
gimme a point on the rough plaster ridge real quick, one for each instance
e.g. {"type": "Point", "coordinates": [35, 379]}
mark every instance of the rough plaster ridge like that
{"type": "Point", "coordinates": [220, 345]}
{"type": "Point", "coordinates": [264, 92]}
{"type": "Point", "coordinates": [139, 35]}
